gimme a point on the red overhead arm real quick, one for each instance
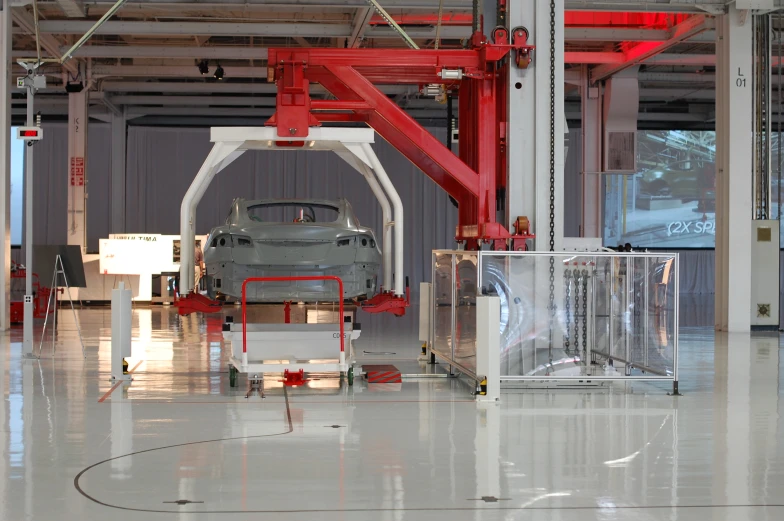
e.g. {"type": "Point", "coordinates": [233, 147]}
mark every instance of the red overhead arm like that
{"type": "Point", "coordinates": [478, 75]}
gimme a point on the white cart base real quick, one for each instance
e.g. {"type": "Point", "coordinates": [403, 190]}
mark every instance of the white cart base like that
{"type": "Point", "coordinates": [275, 348]}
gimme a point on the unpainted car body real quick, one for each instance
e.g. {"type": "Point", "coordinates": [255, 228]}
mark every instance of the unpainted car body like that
{"type": "Point", "coordinates": [688, 180]}
{"type": "Point", "coordinates": [292, 237]}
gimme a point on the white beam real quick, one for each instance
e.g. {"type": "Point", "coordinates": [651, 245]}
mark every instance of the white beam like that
{"type": "Point", "coordinates": [117, 179]}
{"type": "Point", "coordinates": [638, 54]}
{"type": "Point", "coordinates": [72, 8]}
{"type": "Point", "coordinates": [152, 51]}
{"type": "Point", "coordinates": [232, 101]}
{"type": "Point", "coordinates": [215, 87]}
{"type": "Point", "coordinates": [48, 42]}
{"type": "Point", "coordinates": [671, 6]}
{"type": "Point", "coordinates": [198, 87]}
{"type": "Point", "coordinates": [359, 26]}
{"type": "Point", "coordinates": [115, 27]}
{"type": "Point", "coordinates": [595, 58]}
{"type": "Point", "coordinates": [592, 132]}
{"type": "Point", "coordinates": [176, 71]}
{"type": "Point", "coordinates": [5, 166]}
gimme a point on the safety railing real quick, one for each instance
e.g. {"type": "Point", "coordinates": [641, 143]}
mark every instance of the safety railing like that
{"type": "Point", "coordinates": [281, 279]}
{"type": "Point", "coordinates": [564, 316]}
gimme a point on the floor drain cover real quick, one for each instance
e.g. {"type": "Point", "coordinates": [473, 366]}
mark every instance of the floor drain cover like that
{"type": "Point", "coordinates": [334, 426]}
{"type": "Point", "coordinates": [183, 502]}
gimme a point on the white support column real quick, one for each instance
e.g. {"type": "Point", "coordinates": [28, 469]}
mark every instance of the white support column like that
{"type": "Point", "coordinates": [77, 169]}
{"type": "Point", "coordinates": [528, 132]}
{"type": "Point", "coordinates": [529, 141]}
{"type": "Point", "coordinates": [5, 165]}
{"type": "Point", "coordinates": [734, 62]}
{"type": "Point", "coordinates": [119, 139]}
{"type": "Point", "coordinates": [592, 131]}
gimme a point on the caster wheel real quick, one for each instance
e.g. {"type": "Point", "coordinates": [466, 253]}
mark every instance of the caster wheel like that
{"type": "Point", "coordinates": [232, 376]}
{"type": "Point", "coordinates": [351, 376]}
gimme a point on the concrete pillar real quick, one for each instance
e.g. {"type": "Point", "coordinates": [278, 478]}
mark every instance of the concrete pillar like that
{"type": "Point", "coordinates": [528, 132]}
{"type": "Point", "coordinates": [119, 139]}
{"type": "Point", "coordinates": [592, 129]}
{"type": "Point", "coordinates": [5, 164]}
{"type": "Point", "coordinates": [77, 169]}
{"type": "Point", "coordinates": [734, 107]}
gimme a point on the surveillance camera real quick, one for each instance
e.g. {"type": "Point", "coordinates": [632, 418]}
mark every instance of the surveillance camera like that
{"type": "Point", "coordinates": [30, 72]}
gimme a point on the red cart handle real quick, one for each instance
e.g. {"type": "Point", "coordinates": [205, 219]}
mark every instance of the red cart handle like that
{"type": "Point", "coordinates": [273, 279]}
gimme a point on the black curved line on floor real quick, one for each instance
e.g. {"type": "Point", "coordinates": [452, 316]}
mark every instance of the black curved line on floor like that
{"type": "Point", "coordinates": [357, 510]}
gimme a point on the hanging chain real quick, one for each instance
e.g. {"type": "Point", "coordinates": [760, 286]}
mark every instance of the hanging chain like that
{"type": "Point", "coordinates": [585, 316]}
{"type": "Point", "coordinates": [567, 306]}
{"type": "Point", "coordinates": [577, 311]}
{"type": "Point", "coordinates": [552, 125]}
{"type": "Point", "coordinates": [552, 173]}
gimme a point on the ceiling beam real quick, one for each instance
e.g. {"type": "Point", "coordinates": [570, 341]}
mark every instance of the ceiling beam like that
{"type": "Point", "coordinates": [354, 32]}
{"type": "Point", "coordinates": [153, 51]}
{"type": "Point", "coordinates": [115, 27]}
{"type": "Point", "coordinates": [48, 42]}
{"type": "Point", "coordinates": [640, 53]}
{"type": "Point", "coordinates": [595, 58]}
{"type": "Point", "coordinates": [214, 87]}
{"type": "Point", "coordinates": [359, 26]}
{"type": "Point", "coordinates": [176, 71]}
{"type": "Point", "coordinates": [72, 8]}
{"type": "Point", "coordinates": [670, 6]}
{"type": "Point", "coordinates": [226, 101]}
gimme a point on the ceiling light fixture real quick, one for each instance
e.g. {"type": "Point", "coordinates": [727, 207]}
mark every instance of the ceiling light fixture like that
{"type": "Point", "coordinates": [218, 72]}
{"type": "Point", "coordinates": [204, 67]}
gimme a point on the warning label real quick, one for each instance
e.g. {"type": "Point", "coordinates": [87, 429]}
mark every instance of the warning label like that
{"type": "Point", "coordinates": [77, 171]}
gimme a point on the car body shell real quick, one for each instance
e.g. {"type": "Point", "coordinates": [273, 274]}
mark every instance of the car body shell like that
{"type": "Point", "coordinates": [247, 247]}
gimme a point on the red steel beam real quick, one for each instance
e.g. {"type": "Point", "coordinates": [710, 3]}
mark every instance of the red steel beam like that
{"type": "Point", "coordinates": [404, 133]}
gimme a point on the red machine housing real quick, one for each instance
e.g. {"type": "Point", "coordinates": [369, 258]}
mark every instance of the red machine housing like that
{"type": "Point", "coordinates": [479, 77]}
{"type": "Point", "coordinates": [41, 296]}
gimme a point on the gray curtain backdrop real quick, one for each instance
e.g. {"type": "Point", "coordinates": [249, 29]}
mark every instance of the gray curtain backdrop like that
{"type": "Point", "coordinates": [162, 163]}
{"type": "Point", "coordinates": [51, 175]}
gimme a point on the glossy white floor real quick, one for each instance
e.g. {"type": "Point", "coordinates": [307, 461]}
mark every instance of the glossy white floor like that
{"type": "Point", "coordinates": [424, 451]}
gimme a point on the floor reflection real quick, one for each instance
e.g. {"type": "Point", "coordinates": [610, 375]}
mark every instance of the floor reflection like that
{"type": "Point", "coordinates": [423, 450]}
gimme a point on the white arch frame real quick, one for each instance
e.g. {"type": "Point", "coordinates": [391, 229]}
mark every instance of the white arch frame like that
{"type": "Point", "coordinates": [351, 144]}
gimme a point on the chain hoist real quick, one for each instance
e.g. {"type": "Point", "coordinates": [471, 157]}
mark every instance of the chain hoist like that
{"type": "Point", "coordinates": [577, 286]}
{"type": "Point", "coordinates": [552, 172]}
{"type": "Point", "coordinates": [585, 314]}
{"type": "Point", "coordinates": [567, 306]}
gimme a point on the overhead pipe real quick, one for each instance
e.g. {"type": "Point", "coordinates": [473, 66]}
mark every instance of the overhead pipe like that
{"type": "Point", "coordinates": [69, 53]}
{"type": "Point", "coordinates": [393, 24]}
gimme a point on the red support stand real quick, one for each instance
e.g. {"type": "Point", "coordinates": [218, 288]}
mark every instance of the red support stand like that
{"type": "Point", "coordinates": [193, 301]}
{"type": "Point", "coordinates": [388, 302]}
{"type": "Point", "coordinates": [287, 312]}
